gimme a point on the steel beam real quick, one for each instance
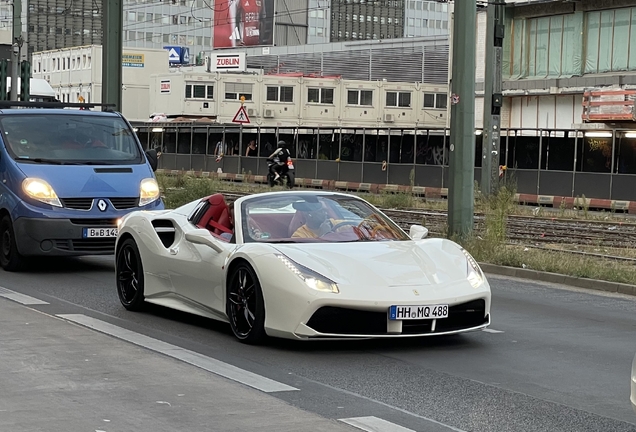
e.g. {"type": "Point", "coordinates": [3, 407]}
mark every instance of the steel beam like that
{"type": "Point", "coordinates": [493, 100]}
{"type": "Point", "coordinates": [16, 43]}
{"type": "Point", "coordinates": [111, 53]}
{"type": "Point", "coordinates": [462, 125]}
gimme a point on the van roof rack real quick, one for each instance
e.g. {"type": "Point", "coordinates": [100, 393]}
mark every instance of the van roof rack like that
{"type": "Point", "coordinates": [29, 104]}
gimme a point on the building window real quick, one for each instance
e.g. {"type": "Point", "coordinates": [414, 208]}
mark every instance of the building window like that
{"type": "Point", "coordinates": [360, 97]}
{"type": "Point", "coordinates": [398, 99]}
{"type": "Point", "coordinates": [435, 100]}
{"type": "Point", "coordinates": [280, 94]}
{"type": "Point", "coordinates": [320, 95]}
{"type": "Point", "coordinates": [234, 91]}
{"type": "Point", "coordinates": [199, 91]}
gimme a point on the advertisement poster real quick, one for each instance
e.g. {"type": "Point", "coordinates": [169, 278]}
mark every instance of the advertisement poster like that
{"type": "Point", "coordinates": [243, 23]}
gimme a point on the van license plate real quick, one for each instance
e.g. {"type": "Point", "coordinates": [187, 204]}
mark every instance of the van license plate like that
{"type": "Point", "coordinates": [99, 232]}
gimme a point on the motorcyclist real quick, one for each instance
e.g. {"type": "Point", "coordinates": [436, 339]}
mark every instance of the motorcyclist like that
{"type": "Point", "coordinates": [279, 157]}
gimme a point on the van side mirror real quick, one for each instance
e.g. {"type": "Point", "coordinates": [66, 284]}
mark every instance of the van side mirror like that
{"type": "Point", "coordinates": [418, 232]}
{"type": "Point", "coordinates": [153, 158]}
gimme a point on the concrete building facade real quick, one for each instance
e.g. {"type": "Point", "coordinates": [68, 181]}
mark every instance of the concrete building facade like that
{"type": "Point", "coordinates": [425, 18]}
{"type": "Point", "coordinates": [155, 24]}
{"type": "Point", "coordinates": [75, 72]}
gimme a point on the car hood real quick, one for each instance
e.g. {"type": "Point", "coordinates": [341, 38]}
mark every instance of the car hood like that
{"type": "Point", "coordinates": [392, 264]}
{"type": "Point", "coordinates": [89, 181]}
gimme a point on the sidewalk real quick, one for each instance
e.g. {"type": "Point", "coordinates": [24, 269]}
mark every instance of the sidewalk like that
{"type": "Point", "coordinates": [57, 376]}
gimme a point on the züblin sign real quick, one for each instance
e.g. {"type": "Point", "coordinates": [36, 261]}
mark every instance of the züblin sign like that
{"type": "Point", "coordinates": [234, 62]}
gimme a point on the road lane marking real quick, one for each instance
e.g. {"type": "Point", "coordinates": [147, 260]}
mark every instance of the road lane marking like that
{"type": "Point", "coordinates": [374, 424]}
{"type": "Point", "coordinates": [199, 360]}
{"type": "Point", "coordinates": [487, 330]}
{"type": "Point", "coordinates": [20, 298]}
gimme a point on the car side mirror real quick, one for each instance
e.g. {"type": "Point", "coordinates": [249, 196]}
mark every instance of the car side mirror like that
{"type": "Point", "coordinates": [153, 158]}
{"type": "Point", "coordinates": [203, 237]}
{"type": "Point", "coordinates": [418, 232]}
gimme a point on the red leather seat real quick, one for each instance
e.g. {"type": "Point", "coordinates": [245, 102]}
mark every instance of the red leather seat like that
{"type": "Point", "coordinates": [217, 217]}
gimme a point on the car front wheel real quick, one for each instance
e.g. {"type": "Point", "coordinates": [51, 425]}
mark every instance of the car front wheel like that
{"type": "Point", "coordinates": [130, 276]}
{"type": "Point", "coordinates": [10, 258]}
{"type": "Point", "coordinates": [245, 305]}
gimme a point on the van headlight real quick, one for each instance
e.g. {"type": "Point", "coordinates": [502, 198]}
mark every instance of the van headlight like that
{"type": "Point", "coordinates": [312, 279]}
{"type": "Point", "coordinates": [40, 190]}
{"type": "Point", "coordinates": [148, 191]}
{"type": "Point", "coordinates": [474, 274]}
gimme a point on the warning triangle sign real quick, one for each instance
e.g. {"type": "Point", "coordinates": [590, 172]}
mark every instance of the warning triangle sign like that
{"type": "Point", "coordinates": [241, 116]}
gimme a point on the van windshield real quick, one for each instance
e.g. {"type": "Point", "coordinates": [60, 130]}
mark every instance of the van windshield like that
{"type": "Point", "coordinates": [70, 139]}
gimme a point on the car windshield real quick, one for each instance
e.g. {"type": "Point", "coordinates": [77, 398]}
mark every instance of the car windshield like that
{"type": "Point", "coordinates": [301, 218]}
{"type": "Point", "coordinates": [70, 139]}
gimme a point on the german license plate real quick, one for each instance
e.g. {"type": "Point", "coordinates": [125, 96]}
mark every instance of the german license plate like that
{"type": "Point", "coordinates": [418, 312]}
{"type": "Point", "coordinates": [99, 232]}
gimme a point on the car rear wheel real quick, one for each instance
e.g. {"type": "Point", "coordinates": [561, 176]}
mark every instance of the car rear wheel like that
{"type": "Point", "coordinates": [10, 258]}
{"type": "Point", "coordinates": [130, 276]}
{"type": "Point", "coordinates": [245, 305]}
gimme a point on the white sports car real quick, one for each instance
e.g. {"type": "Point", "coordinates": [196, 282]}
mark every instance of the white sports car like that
{"type": "Point", "coordinates": [300, 265]}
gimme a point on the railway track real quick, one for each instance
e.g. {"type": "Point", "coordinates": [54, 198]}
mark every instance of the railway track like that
{"type": "Point", "coordinates": [522, 229]}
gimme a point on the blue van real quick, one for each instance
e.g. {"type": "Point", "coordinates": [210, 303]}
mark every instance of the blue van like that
{"type": "Point", "coordinates": [67, 176]}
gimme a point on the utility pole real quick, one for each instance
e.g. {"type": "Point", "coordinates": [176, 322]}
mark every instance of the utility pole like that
{"type": "Point", "coordinates": [462, 133]}
{"type": "Point", "coordinates": [111, 52]}
{"type": "Point", "coordinates": [493, 99]}
{"type": "Point", "coordinates": [16, 45]}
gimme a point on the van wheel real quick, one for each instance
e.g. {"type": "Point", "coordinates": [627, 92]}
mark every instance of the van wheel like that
{"type": "Point", "coordinates": [10, 258]}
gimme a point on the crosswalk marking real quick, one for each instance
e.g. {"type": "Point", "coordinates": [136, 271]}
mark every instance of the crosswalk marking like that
{"type": "Point", "coordinates": [374, 424]}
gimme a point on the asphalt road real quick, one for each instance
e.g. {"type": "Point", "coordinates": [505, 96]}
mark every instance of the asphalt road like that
{"type": "Point", "coordinates": [555, 359]}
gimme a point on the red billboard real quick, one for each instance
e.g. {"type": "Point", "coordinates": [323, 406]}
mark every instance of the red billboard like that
{"type": "Point", "coordinates": [243, 23]}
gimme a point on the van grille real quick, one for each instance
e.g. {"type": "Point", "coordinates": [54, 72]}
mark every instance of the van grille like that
{"type": "Point", "coordinates": [87, 203]}
{"type": "Point", "coordinates": [124, 203]}
{"type": "Point", "coordinates": [77, 203]}
{"type": "Point", "coordinates": [95, 246]}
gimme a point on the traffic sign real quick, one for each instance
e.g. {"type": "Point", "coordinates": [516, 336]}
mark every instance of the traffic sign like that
{"type": "Point", "coordinates": [241, 116]}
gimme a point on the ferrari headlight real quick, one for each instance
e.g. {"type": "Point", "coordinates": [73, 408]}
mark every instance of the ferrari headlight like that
{"type": "Point", "coordinates": [40, 190]}
{"type": "Point", "coordinates": [148, 191]}
{"type": "Point", "coordinates": [311, 278]}
{"type": "Point", "coordinates": [475, 275]}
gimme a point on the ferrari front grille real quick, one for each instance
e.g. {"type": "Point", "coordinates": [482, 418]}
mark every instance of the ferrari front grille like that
{"type": "Point", "coordinates": [96, 246]}
{"type": "Point", "coordinates": [344, 321]}
{"type": "Point", "coordinates": [465, 315]}
{"type": "Point", "coordinates": [336, 320]}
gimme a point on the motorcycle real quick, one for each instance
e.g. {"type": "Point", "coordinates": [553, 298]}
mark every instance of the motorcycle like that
{"type": "Point", "coordinates": [286, 173]}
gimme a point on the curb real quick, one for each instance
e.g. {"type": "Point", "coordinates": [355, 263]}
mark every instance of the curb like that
{"type": "Point", "coordinates": [592, 284]}
{"type": "Point", "coordinates": [421, 191]}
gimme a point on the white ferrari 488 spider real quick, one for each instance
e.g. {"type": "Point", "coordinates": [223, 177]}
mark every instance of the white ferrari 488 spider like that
{"type": "Point", "coordinates": [300, 265]}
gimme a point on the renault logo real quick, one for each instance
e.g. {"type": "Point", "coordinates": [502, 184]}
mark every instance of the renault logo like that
{"type": "Point", "coordinates": [101, 204]}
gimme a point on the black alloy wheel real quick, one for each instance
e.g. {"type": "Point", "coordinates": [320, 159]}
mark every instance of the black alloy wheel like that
{"type": "Point", "coordinates": [245, 305]}
{"type": "Point", "coordinates": [130, 276]}
{"type": "Point", "coordinates": [10, 258]}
